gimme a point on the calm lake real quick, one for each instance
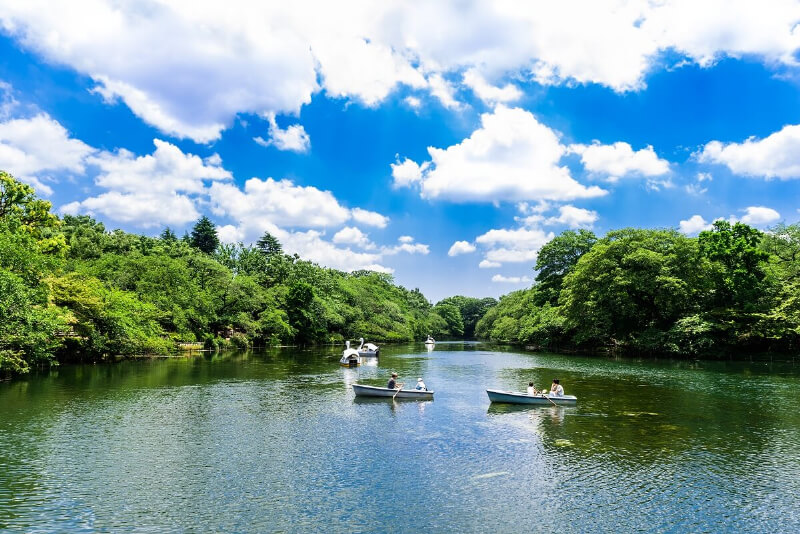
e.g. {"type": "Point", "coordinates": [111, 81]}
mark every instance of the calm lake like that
{"type": "Point", "coordinates": [275, 441]}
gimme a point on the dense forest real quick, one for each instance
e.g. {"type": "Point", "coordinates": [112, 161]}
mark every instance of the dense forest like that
{"type": "Point", "coordinates": [732, 289]}
{"type": "Point", "coordinates": [70, 289]}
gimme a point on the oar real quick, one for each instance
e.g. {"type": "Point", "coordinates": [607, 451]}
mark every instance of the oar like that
{"type": "Point", "coordinates": [398, 390]}
{"type": "Point", "coordinates": [551, 400]}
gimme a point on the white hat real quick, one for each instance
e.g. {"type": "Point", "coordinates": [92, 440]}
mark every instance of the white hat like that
{"type": "Point", "coordinates": [419, 380]}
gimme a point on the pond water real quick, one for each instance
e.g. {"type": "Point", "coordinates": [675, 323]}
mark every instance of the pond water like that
{"type": "Point", "coordinates": [275, 441]}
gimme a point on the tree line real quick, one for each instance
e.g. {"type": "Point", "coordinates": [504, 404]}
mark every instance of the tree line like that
{"type": "Point", "coordinates": [731, 290]}
{"type": "Point", "coordinates": [70, 289]}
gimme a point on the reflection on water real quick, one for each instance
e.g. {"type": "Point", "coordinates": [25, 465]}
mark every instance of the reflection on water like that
{"type": "Point", "coordinates": [276, 440]}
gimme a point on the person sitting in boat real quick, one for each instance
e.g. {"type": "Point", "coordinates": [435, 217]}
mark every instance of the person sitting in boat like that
{"type": "Point", "coordinates": [421, 385]}
{"type": "Point", "coordinates": [531, 389]}
{"type": "Point", "coordinates": [556, 389]}
{"type": "Point", "coordinates": [392, 382]}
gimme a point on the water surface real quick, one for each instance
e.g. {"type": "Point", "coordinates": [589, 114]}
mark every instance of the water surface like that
{"type": "Point", "coordinates": [276, 441]}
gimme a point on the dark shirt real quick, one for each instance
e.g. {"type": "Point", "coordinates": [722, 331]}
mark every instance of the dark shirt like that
{"type": "Point", "coordinates": [392, 383]}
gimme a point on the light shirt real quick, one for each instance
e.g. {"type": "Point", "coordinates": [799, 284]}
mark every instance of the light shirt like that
{"type": "Point", "coordinates": [421, 385]}
{"type": "Point", "coordinates": [530, 390]}
{"type": "Point", "coordinates": [557, 390]}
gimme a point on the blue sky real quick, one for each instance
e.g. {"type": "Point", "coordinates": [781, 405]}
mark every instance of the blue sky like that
{"type": "Point", "coordinates": [444, 143]}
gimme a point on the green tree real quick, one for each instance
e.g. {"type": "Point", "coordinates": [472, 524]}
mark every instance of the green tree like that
{"type": "Point", "coordinates": [168, 235]}
{"type": "Point", "coordinates": [22, 212]}
{"type": "Point", "coordinates": [452, 317]}
{"type": "Point", "coordinates": [204, 236]}
{"type": "Point", "coordinates": [739, 265]}
{"type": "Point", "coordinates": [301, 313]}
{"type": "Point", "coordinates": [557, 258]}
{"type": "Point", "coordinates": [269, 245]}
{"type": "Point", "coordinates": [632, 286]}
{"type": "Point", "coordinates": [471, 309]}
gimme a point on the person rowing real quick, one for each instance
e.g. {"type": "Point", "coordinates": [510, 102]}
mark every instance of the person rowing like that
{"type": "Point", "coordinates": [393, 382]}
{"type": "Point", "coordinates": [556, 389]}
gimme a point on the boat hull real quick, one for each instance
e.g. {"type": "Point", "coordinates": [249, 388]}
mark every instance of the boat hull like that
{"type": "Point", "coordinates": [369, 353]}
{"type": "Point", "coordinates": [511, 397]}
{"type": "Point", "coordinates": [372, 391]}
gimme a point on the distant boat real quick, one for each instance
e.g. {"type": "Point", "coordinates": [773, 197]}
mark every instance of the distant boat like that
{"type": "Point", "coordinates": [511, 397]}
{"type": "Point", "coordinates": [430, 341]}
{"type": "Point", "coordinates": [367, 349]}
{"type": "Point", "coordinates": [372, 391]}
{"type": "Point", "coordinates": [350, 357]}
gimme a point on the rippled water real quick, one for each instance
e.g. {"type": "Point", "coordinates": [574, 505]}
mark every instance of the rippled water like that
{"type": "Point", "coordinates": [275, 441]}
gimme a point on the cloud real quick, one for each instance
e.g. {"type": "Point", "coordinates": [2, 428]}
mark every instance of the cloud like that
{"type": "Point", "coordinates": [278, 202]}
{"type": "Point", "coordinates": [511, 157]}
{"type": "Point", "coordinates": [310, 246]}
{"type": "Point", "coordinates": [293, 138]}
{"type": "Point", "coordinates": [486, 264]}
{"type": "Point", "coordinates": [520, 238]}
{"type": "Point", "coordinates": [499, 278]}
{"type": "Point", "coordinates": [513, 246]}
{"type": "Point", "coordinates": [350, 235]}
{"type": "Point", "coordinates": [461, 247]}
{"type": "Point", "coordinates": [760, 215]}
{"type": "Point", "coordinates": [215, 60]}
{"type": "Point", "coordinates": [620, 160]}
{"type": "Point", "coordinates": [32, 148]}
{"type": "Point", "coordinates": [406, 245]}
{"type": "Point", "coordinates": [157, 189]}
{"type": "Point", "coordinates": [444, 91]}
{"type": "Point", "coordinates": [694, 225]}
{"type": "Point", "coordinates": [407, 173]}
{"type": "Point", "coordinates": [574, 217]}
{"type": "Point", "coordinates": [370, 218]}
{"type": "Point", "coordinates": [7, 101]}
{"type": "Point", "coordinates": [489, 93]}
{"type": "Point", "coordinates": [776, 156]}
{"type": "Point", "coordinates": [413, 102]}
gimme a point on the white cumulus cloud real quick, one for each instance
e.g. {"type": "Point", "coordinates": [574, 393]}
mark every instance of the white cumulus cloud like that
{"type": "Point", "coordinates": [216, 60]}
{"type": "Point", "coordinates": [157, 189]}
{"type": "Point", "coordinates": [511, 279]}
{"type": "Point", "coordinates": [293, 138]}
{"type": "Point", "coordinates": [486, 264]}
{"type": "Point", "coordinates": [461, 247]}
{"type": "Point", "coordinates": [776, 156]}
{"type": "Point", "coordinates": [370, 218]}
{"type": "Point", "coordinates": [511, 157]}
{"type": "Point", "coordinates": [573, 217]}
{"type": "Point", "coordinates": [760, 215]}
{"type": "Point", "coordinates": [490, 93]}
{"type": "Point", "coordinates": [279, 202]}
{"type": "Point", "coordinates": [407, 172]}
{"type": "Point", "coordinates": [350, 235]}
{"type": "Point", "coordinates": [32, 148]}
{"type": "Point", "coordinates": [619, 160]}
{"type": "Point", "coordinates": [694, 225]}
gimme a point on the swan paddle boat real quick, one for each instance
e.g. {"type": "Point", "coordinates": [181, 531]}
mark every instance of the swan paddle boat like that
{"type": "Point", "coordinates": [512, 397]}
{"type": "Point", "coordinates": [430, 341]}
{"type": "Point", "coordinates": [373, 391]}
{"type": "Point", "coordinates": [350, 357]}
{"type": "Point", "coordinates": [367, 349]}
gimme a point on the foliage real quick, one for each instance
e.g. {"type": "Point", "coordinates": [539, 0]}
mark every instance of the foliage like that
{"type": "Point", "coordinates": [269, 245]}
{"type": "Point", "coordinates": [471, 310]}
{"type": "Point", "coordinates": [732, 289]}
{"type": "Point", "coordinates": [557, 258]}
{"type": "Point", "coordinates": [204, 236]}
{"type": "Point", "coordinates": [71, 288]}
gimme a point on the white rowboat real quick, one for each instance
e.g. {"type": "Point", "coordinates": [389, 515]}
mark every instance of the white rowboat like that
{"type": "Point", "coordinates": [372, 391]}
{"type": "Point", "coordinates": [512, 397]}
